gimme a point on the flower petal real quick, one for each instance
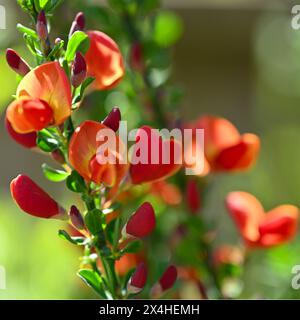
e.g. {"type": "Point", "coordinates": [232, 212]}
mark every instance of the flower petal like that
{"type": "Point", "coordinates": [247, 212]}
{"type": "Point", "coordinates": [104, 61]}
{"type": "Point", "coordinates": [48, 82]}
{"type": "Point", "coordinates": [29, 115]}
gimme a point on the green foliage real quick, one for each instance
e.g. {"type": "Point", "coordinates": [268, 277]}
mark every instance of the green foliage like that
{"type": "Point", "coordinates": [79, 41]}
{"type": "Point", "coordinates": [80, 241]}
{"type": "Point", "coordinates": [94, 220]}
{"type": "Point", "coordinates": [93, 280]}
{"type": "Point", "coordinates": [133, 247]}
{"type": "Point", "coordinates": [47, 141]}
{"type": "Point", "coordinates": [75, 182]}
{"type": "Point", "coordinates": [54, 175]}
{"type": "Point", "coordinates": [168, 29]}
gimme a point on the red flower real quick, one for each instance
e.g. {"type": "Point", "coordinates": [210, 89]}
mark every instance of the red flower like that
{"type": "Point", "coordinates": [149, 172]}
{"type": "Point", "coordinates": [78, 70]}
{"type": "Point", "coordinates": [166, 282]}
{"type": "Point", "coordinates": [168, 192]}
{"type": "Point", "coordinates": [43, 99]}
{"type": "Point", "coordinates": [83, 154]}
{"type": "Point", "coordinates": [27, 140]}
{"type": "Point", "coordinates": [260, 229]}
{"type": "Point", "coordinates": [141, 223]}
{"type": "Point", "coordinates": [138, 279]}
{"type": "Point", "coordinates": [225, 148]}
{"type": "Point", "coordinates": [34, 200]}
{"type": "Point", "coordinates": [104, 61]}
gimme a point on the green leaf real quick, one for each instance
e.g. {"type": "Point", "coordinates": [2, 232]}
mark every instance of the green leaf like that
{"type": "Point", "coordinates": [93, 280]}
{"type": "Point", "coordinates": [80, 91]}
{"type": "Point", "coordinates": [52, 5]}
{"type": "Point", "coordinates": [79, 241]}
{"type": "Point", "coordinates": [78, 42]}
{"type": "Point", "coordinates": [75, 182]}
{"type": "Point", "coordinates": [132, 247]}
{"type": "Point", "coordinates": [26, 30]}
{"type": "Point", "coordinates": [113, 231]}
{"type": "Point", "coordinates": [93, 220]}
{"type": "Point", "coordinates": [54, 174]}
{"type": "Point", "coordinates": [167, 29]}
{"type": "Point", "coordinates": [46, 141]}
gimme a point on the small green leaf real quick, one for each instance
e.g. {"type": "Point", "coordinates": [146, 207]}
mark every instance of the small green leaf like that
{"type": "Point", "coordinates": [80, 241]}
{"type": "Point", "coordinates": [113, 231]}
{"type": "Point", "coordinates": [75, 182]}
{"type": "Point", "coordinates": [46, 141]}
{"type": "Point", "coordinates": [93, 220]}
{"type": "Point", "coordinates": [93, 280]}
{"type": "Point", "coordinates": [168, 29]}
{"type": "Point", "coordinates": [132, 247]}
{"type": "Point", "coordinates": [26, 30]}
{"type": "Point", "coordinates": [78, 42]}
{"type": "Point", "coordinates": [54, 174]}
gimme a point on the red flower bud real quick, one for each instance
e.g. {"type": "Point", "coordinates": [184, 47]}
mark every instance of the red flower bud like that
{"type": "Point", "coordinates": [138, 279]}
{"type": "Point", "coordinates": [193, 196]}
{"type": "Point", "coordinates": [34, 200]}
{"type": "Point", "coordinates": [78, 24]}
{"type": "Point", "coordinates": [16, 62]}
{"type": "Point", "coordinates": [27, 140]}
{"type": "Point", "coordinates": [141, 223]}
{"type": "Point", "coordinates": [58, 156]}
{"type": "Point", "coordinates": [166, 281]}
{"type": "Point", "coordinates": [76, 218]}
{"type": "Point", "coordinates": [168, 278]}
{"type": "Point", "coordinates": [112, 121]}
{"type": "Point", "coordinates": [41, 26]}
{"type": "Point", "coordinates": [136, 57]}
{"type": "Point", "coordinates": [78, 70]}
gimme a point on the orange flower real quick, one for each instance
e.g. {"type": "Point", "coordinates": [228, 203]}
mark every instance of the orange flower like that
{"type": "Point", "coordinates": [225, 148]}
{"type": "Point", "coordinates": [83, 154]}
{"type": "Point", "coordinates": [260, 229]}
{"type": "Point", "coordinates": [104, 61]}
{"type": "Point", "coordinates": [43, 99]}
{"type": "Point", "coordinates": [168, 192]}
{"type": "Point", "coordinates": [227, 254]}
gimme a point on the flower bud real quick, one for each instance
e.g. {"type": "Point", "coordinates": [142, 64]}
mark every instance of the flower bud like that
{"type": "Point", "coordinates": [34, 200]}
{"type": "Point", "coordinates": [76, 218]}
{"type": "Point", "coordinates": [78, 70]}
{"type": "Point", "coordinates": [78, 24]}
{"type": "Point", "coordinates": [138, 279]}
{"type": "Point", "coordinates": [58, 156]}
{"type": "Point", "coordinates": [192, 196]}
{"type": "Point", "coordinates": [27, 140]}
{"type": "Point", "coordinates": [112, 121]}
{"type": "Point", "coordinates": [136, 57]}
{"type": "Point", "coordinates": [141, 223]}
{"type": "Point", "coordinates": [41, 26]}
{"type": "Point", "coordinates": [166, 281]}
{"type": "Point", "coordinates": [16, 62]}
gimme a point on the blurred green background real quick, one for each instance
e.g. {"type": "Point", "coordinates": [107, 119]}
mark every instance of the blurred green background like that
{"type": "Point", "coordinates": [239, 59]}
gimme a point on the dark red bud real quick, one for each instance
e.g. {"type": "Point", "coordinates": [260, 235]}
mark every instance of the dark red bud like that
{"type": "Point", "coordinates": [78, 24]}
{"type": "Point", "coordinates": [76, 218]}
{"type": "Point", "coordinates": [193, 196]}
{"type": "Point", "coordinates": [78, 70]}
{"type": "Point", "coordinates": [58, 156]}
{"type": "Point", "coordinates": [27, 140]}
{"type": "Point", "coordinates": [138, 279]}
{"type": "Point", "coordinates": [16, 62]}
{"type": "Point", "coordinates": [141, 223]}
{"type": "Point", "coordinates": [168, 278]}
{"type": "Point", "coordinates": [41, 26]}
{"type": "Point", "coordinates": [112, 121]}
{"type": "Point", "coordinates": [136, 57]}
